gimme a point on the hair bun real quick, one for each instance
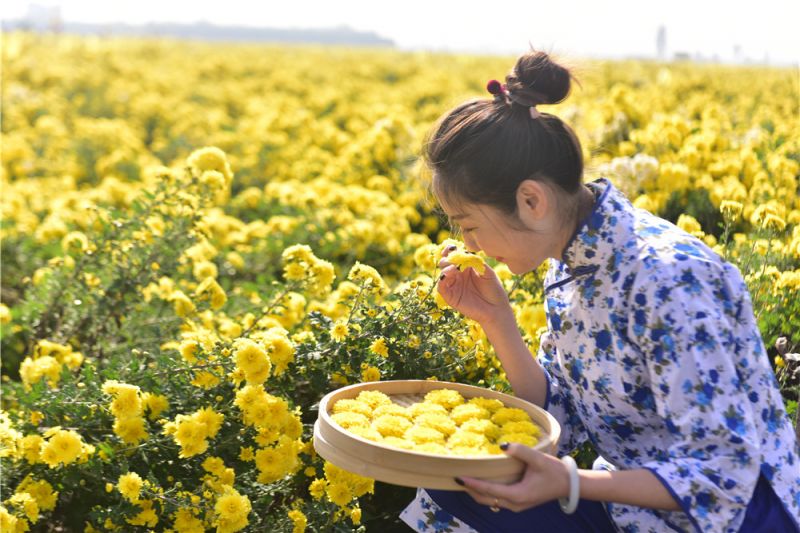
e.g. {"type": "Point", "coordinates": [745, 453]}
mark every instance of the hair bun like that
{"type": "Point", "coordinates": [539, 79]}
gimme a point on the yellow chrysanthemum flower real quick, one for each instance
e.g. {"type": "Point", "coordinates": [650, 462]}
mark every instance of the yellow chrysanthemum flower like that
{"type": "Point", "coordinates": [378, 347]}
{"type": "Point", "coordinates": [440, 421]}
{"type": "Point", "coordinates": [353, 406]}
{"type": "Point", "coordinates": [339, 493]}
{"type": "Point", "coordinates": [483, 426]}
{"type": "Point", "coordinates": [373, 398]}
{"type": "Point", "coordinates": [371, 373]}
{"type": "Point", "coordinates": [468, 411]}
{"type": "Point", "coordinates": [252, 358]}
{"type": "Point", "coordinates": [388, 409]}
{"type": "Point", "coordinates": [367, 276]}
{"type": "Point", "coordinates": [366, 432]}
{"type": "Point", "coordinates": [466, 439]}
{"type": "Point", "coordinates": [520, 426]}
{"type": "Point", "coordinates": [464, 260]}
{"type": "Point", "coordinates": [155, 404]}
{"type": "Point", "coordinates": [730, 209]}
{"type": "Point", "coordinates": [232, 510]}
{"type": "Point", "coordinates": [521, 438]}
{"type": "Point", "coordinates": [339, 331]}
{"type": "Point", "coordinates": [317, 488]}
{"type": "Point", "coordinates": [189, 349]}
{"type": "Point", "coordinates": [26, 504]}
{"type": "Point", "coordinates": [130, 486]}
{"type": "Point", "coordinates": [131, 430]}
{"type": "Point", "coordinates": [424, 408]}
{"type": "Point", "coordinates": [349, 419]}
{"type": "Point", "coordinates": [299, 521]}
{"type": "Point", "coordinates": [490, 404]}
{"type": "Point", "coordinates": [447, 398]}
{"type": "Point", "coordinates": [183, 305]}
{"type": "Point", "coordinates": [127, 400]}
{"type": "Point", "coordinates": [63, 447]}
{"type": "Point", "coordinates": [422, 434]}
{"type": "Point", "coordinates": [30, 448]}
{"type": "Point", "coordinates": [391, 426]}
{"type": "Point", "coordinates": [186, 522]}
{"type": "Point", "coordinates": [210, 158]}
{"type": "Point", "coordinates": [509, 414]}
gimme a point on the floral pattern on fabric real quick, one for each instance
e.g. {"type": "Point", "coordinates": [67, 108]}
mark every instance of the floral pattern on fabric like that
{"type": "Point", "coordinates": [424, 515]}
{"type": "Point", "coordinates": [653, 353]}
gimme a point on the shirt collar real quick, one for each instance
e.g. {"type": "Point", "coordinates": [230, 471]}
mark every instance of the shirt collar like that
{"type": "Point", "coordinates": [598, 236]}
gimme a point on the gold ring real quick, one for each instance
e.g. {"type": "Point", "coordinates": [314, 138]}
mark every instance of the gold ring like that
{"type": "Point", "coordinates": [494, 507]}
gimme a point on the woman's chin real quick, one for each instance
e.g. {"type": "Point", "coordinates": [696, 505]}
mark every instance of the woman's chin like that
{"type": "Point", "coordinates": [516, 270]}
{"type": "Point", "coordinates": [520, 269]}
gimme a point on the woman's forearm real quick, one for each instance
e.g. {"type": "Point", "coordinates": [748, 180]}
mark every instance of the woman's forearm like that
{"type": "Point", "coordinates": [638, 487]}
{"type": "Point", "coordinates": [522, 369]}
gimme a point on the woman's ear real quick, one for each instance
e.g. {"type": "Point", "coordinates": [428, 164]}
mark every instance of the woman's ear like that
{"type": "Point", "coordinates": [533, 200]}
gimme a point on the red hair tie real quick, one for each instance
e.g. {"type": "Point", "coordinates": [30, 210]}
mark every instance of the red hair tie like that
{"type": "Point", "coordinates": [501, 91]}
{"type": "Point", "coordinates": [495, 87]}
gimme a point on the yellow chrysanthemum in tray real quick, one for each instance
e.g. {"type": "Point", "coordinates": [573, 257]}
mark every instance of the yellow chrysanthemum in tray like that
{"type": "Point", "coordinates": [392, 409]}
{"type": "Point", "coordinates": [352, 406]}
{"type": "Point", "coordinates": [421, 433]}
{"type": "Point", "coordinates": [349, 419]}
{"type": "Point", "coordinates": [444, 423]}
{"type": "Point", "coordinates": [445, 397]}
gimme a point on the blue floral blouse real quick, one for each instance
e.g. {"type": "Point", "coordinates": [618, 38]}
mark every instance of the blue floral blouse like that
{"type": "Point", "coordinates": [653, 353]}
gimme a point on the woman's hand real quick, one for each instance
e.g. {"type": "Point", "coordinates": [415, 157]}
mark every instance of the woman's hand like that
{"type": "Point", "coordinates": [546, 478]}
{"type": "Point", "coordinates": [480, 297]}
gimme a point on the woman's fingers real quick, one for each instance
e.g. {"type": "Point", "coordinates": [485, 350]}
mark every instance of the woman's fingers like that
{"type": "Point", "coordinates": [488, 491]}
{"type": "Point", "coordinates": [524, 453]}
{"type": "Point", "coordinates": [480, 497]}
{"type": "Point", "coordinates": [447, 251]}
{"type": "Point", "coordinates": [447, 277]}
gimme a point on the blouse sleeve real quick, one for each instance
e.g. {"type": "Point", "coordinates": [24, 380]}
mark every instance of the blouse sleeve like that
{"type": "Point", "coordinates": [558, 400]}
{"type": "Point", "coordinates": [694, 325]}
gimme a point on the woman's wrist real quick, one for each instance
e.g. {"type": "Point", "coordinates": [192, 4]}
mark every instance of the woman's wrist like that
{"type": "Point", "coordinates": [499, 322]}
{"type": "Point", "coordinates": [524, 372]}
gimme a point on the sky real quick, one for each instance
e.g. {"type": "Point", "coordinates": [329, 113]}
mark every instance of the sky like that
{"type": "Point", "coordinates": [763, 30]}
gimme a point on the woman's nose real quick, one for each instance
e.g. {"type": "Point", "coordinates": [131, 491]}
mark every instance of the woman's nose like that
{"type": "Point", "coordinates": [471, 244]}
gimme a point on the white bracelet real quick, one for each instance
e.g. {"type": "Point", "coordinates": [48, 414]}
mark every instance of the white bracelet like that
{"type": "Point", "coordinates": [569, 506]}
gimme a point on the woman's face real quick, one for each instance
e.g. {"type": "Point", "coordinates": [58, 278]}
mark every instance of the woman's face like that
{"type": "Point", "coordinates": [522, 242]}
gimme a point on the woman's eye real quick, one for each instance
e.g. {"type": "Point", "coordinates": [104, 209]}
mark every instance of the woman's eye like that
{"type": "Point", "coordinates": [467, 230]}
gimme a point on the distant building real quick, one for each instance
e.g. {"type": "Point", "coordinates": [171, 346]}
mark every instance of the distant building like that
{"type": "Point", "coordinates": [661, 42]}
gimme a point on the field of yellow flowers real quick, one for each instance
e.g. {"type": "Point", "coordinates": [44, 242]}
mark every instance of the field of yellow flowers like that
{"type": "Point", "coordinates": [200, 241]}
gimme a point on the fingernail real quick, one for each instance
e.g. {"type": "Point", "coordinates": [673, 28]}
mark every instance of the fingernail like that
{"type": "Point", "coordinates": [504, 446]}
{"type": "Point", "coordinates": [451, 247]}
{"type": "Point", "coordinates": [459, 481]}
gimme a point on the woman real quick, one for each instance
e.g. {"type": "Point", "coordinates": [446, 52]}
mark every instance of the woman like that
{"type": "Point", "coordinates": [652, 350]}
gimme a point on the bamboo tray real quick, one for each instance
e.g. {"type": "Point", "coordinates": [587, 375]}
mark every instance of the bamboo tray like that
{"type": "Point", "coordinates": [414, 468]}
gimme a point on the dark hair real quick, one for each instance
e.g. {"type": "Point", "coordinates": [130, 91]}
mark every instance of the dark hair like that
{"type": "Point", "coordinates": [484, 148]}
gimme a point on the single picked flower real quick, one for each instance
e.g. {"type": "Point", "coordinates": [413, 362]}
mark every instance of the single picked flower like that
{"type": "Point", "coordinates": [465, 260]}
